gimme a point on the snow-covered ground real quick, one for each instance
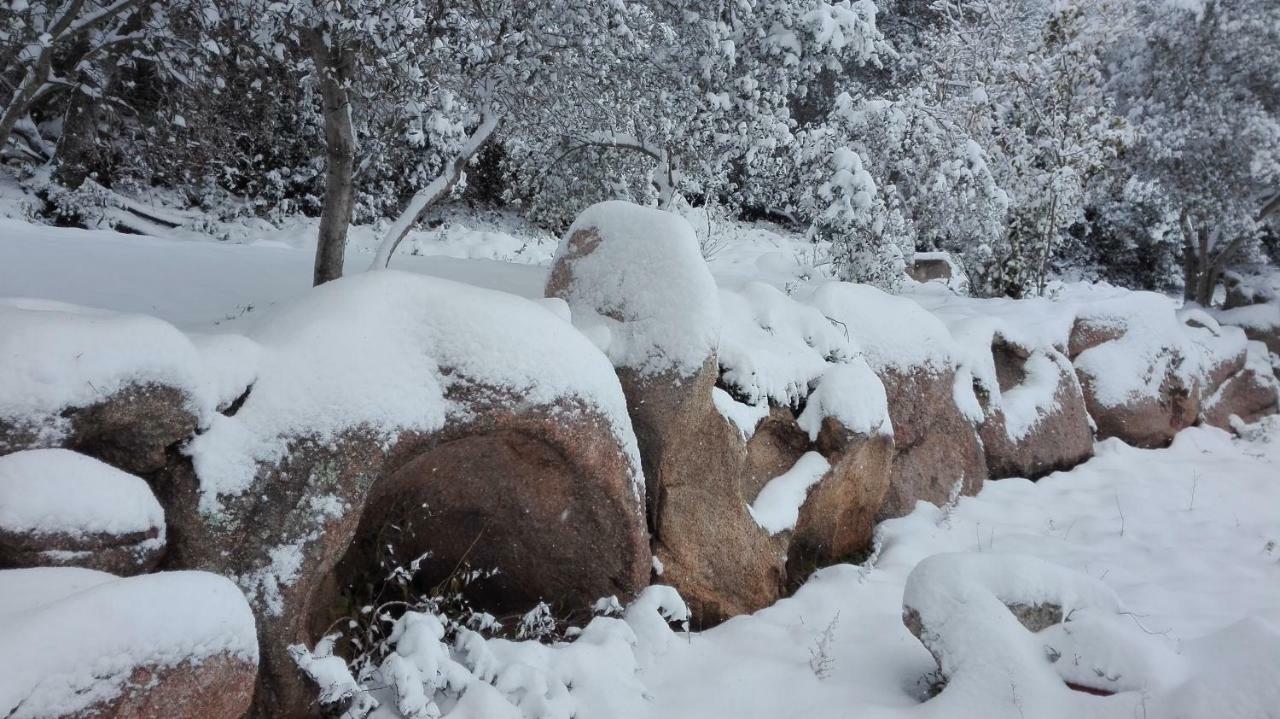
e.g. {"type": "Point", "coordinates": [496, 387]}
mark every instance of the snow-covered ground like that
{"type": "Point", "coordinates": [1187, 537]}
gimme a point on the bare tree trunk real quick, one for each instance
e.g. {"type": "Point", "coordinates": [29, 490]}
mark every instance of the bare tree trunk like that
{"type": "Point", "coordinates": [1190, 259]}
{"type": "Point", "coordinates": [1046, 244]}
{"type": "Point", "coordinates": [37, 75]}
{"type": "Point", "coordinates": [333, 65]}
{"type": "Point", "coordinates": [75, 153]}
{"type": "Point", "coordinates": [1206, 269]}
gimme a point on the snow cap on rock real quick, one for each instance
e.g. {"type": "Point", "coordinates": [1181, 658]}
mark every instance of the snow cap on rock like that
{"type": "Point", "coordinates": [58, 356]}
{"type": "Point", "coordinates": [381, 351]}
{"type": "Point", "coordinates": [57, 491]}
{"type": "Point", "coordinates": [894, 333]}
{"type": "Point", "coordinates": [638, 271]}
{"type": "Point", "coordinates": [82, 650]}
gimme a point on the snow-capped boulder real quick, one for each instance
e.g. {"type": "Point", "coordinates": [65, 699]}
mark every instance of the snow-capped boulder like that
{"type": "Point", "coordinates": [638, 272]}
{"type": "Point", "coordinates": [1222, 349]}
{"type": "Point", "coordinates": [977, 614]}
{"type": "Point", "coordinates": [938, 455]}
{"type": "Point", "coordinates": [942, 267]}
{"type": "Point", "coordinates": [1089, 331]}
{"type": "Point", "coordinates": [391, 398]}
{"type": "Point", "coordinates": [120, 387]}
{"type": "Point", "coordinates": [1040, 424]}
{"type": "Point", "coordinates": [773, 348]}
{"type": "Point", "coordinates": [1242, 292]}
{"type": "Point", "coordinates": [847, 419]}
{"type": "Point", "coordinates": [61, 508]}
{"type": "Point", "coordinates": [635, 281]}
{"type": "Point", "coordinates": [1249, 394]}
{"type": "Point", "coordinates": [1260, 322]}
{"type": "Point", "coordinates": [1139, 368]}
{"type": "Point", "coordinates": [174, 644]}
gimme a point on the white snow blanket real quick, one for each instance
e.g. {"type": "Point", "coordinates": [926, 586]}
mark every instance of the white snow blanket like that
{"type": "Point", "coordinates": [380, 351]}
{"type": "Point", "coordinates": [642, 290]}
{"type": "Point", "coordinates": [77, 644]}
{"type": "Point", "coordinates": [58, 355]}
{"type": "Point", "coordinates": [57, 491]}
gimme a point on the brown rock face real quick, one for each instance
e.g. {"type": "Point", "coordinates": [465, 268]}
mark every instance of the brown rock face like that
{"type": "Point", "coordinates": [541, 502]}
{"type": "Point", "coordinates": [1148, 422]}
{"type": "Point", "coordinates": [711, 549]}
{"type": "Point", "coordinates": [1269, 337]}
{"type": "Point", "coordinates": [219, 687]}
{"type": "Point", "coordinates": [543, 493]}
{"type": "Point", "coordinates": [774, 447]}
{"type": "Point", "coordinates": [120, 554]}
{"type": "Point", "coordinates": [923, 270]}
{"type": "Point", "coordinates": [1088, 333]}
{"type": "Point", "coordinates": [936, 447]}
{"type": "Point", "coordinates": [838, 517]}
{"type": "Point", "coordinates": [130, 430]}
{"type": "Point", "coordinates": [1061, 439]}
{"type": "Point", "coordinates": [1221, 369]}
{"type": "Point", "coordinates": [1247, 394]}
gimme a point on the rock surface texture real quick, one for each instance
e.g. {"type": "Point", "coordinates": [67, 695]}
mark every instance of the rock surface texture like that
{"type": "Point", "coordinates": [1140, 382]}
{"type": "Point", "coordinates": [1042, 424]}
{"type": "Point", "coordinates": [663, 344]}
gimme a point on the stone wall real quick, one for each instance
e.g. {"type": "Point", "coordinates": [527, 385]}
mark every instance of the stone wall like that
{"type": "Point", "coordinates": [572, 500]}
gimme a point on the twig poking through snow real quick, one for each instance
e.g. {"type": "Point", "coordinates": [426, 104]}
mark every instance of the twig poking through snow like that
{"type": "Point", "coordinates": [1121, 511]}
{"type": "Point", "coordinates": [953, 498]}
{"type": "Point", "coordinates": [820, 659]}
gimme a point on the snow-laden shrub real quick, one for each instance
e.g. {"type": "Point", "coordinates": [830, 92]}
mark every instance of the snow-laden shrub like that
{"type": "Point", "coordinates": [425, 662]}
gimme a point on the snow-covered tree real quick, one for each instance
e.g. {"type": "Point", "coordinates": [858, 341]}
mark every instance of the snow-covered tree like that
{"type": "Point", "coordinates": [1025, 80]}
{"type": "Point", "coordinates": [1198, 82]}
{"type": "Point", "coordinates": [64, 70]}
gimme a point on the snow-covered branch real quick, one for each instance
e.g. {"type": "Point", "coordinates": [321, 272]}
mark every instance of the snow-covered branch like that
{"type": "Point", "coordinates": [440, 187]}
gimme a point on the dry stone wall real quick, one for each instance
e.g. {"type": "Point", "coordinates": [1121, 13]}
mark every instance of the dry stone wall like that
{"type": "Point", "coordinates": [725, 441]}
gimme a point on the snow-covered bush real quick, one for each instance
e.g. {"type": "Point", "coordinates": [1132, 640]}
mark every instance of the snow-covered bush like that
{"type": "Point", "coordinates": [436, 657]}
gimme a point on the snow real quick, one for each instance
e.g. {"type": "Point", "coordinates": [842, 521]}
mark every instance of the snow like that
{"type": "Point", "coordinates": [894, 333]}
{"type": "Point", "coordinates": [1036, 396]}
{"type": "Point", "coordinates": [81, 647]}
{"type": "Point", "coordinates": [773, 347]}
{"type": "Point", "coordinates": [26, 589]}
{"type": "Point", "coordinates": [59, 356]}
{"type": "Point", "coordinates": [212, 286]}
{"type": "Point", "coordinates": [1155, 345]}
{"type": "Point", "coordinates": [57, 491]}
{"type": "Point", "coordinates": [851, 394]}
{"type": "Point", "coordinates": [648, 283]}
{"type": "Point", "coordinates": [777, 507]}
{"type": "Point", "coordinates": [961, 600]}
{"type": "Point", "coordinates": [380, 350]}
{"type": "Point", "coordinates": [1263, 317]}
{"type": "Point", "coordinates": [743, 416]}
{"type": "Point", "coordinates": [230, 365]}
{"type": "Point", "coordinates": [595, 675]}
